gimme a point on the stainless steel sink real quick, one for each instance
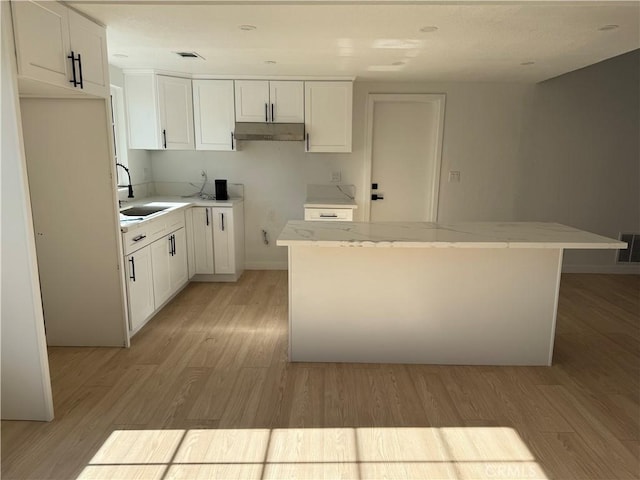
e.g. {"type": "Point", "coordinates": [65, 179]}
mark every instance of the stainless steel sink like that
{"type": "Point", "coordinates": [141, 211]}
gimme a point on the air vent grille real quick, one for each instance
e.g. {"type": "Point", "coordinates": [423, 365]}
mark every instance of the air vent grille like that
{"type": "Point", "coordinates": [189, 55]}
{"type": "Point", "coordinates": [631, 254]}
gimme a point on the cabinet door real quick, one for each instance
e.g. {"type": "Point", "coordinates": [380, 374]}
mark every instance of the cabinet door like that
{"type": "Point", "coordinates": [176, 113]}
{"type": "Point", "coordinates": [203, 240]}
{"type": "Point", "coordinates": [214, 114]}
{"type": "Point", "coordinates": [252, 101]}
{"type": "Point", "coordinates": [223, 247]}
{"type": "Point", "coordinates": [327, 113]}
{"type": "Point", "coordinates": [139, 287]}
{"type": "Point", "coordinates": [41, 31]}
{"type": "Point", "coordinates": [143, 125]}
{"type": "Point", "coordinates": [89, 40]}
{"type": "Point", "coordinates": [287, 102]}
{"type": "Point", "coordinates": [178, 266]}
{"type": "Point", "coordinates": [160, 259]}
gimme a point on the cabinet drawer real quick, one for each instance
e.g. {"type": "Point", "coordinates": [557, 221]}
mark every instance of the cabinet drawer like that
{"type": "Point", "coordinates": [329, 214]}
{"type": "Point", "coordinates": [151, 230]}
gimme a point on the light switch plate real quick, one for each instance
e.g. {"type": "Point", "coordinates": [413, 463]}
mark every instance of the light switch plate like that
{"type": "Point", "coordinates": [336, 177]}
{"type": "Point", "coordinates": [454, 176]}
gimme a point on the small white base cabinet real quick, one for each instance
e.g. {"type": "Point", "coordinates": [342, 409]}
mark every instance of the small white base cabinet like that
{"type": "Point", "coordinates": [216, 242]}
{"type": "Point", "coordinates": [156, 259]}
{"type": "Point", "coordinates": [139, 287]}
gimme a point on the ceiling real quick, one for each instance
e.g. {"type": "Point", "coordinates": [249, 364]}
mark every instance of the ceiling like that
{"type": "Point", "coordinates": [373, 40]}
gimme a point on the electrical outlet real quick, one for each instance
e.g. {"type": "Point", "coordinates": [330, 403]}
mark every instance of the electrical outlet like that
{"type": "Point", "coordinates": [454, 176]}
{"type": "Point", "coordinates": [336, 177]}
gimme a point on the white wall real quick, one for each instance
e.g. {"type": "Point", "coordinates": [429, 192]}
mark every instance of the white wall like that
{"type": "Point", "coordinates": [26, 386]}
{"type": "Point", "coordinates": [483, 127]}
{"type": "Point", "coordinates": [563, 151]}
{"type": "Point", "coordinates": [139, 160]}
{"type": "Point", "coordinates": [581, 157]}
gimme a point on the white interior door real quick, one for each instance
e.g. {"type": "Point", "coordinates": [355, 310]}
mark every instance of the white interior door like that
{"type": "Point", "coordinates": [405, 133]}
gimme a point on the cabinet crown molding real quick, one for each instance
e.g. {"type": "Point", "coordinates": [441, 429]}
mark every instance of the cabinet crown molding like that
{"type": "Point", "coordinates": [206, 76]}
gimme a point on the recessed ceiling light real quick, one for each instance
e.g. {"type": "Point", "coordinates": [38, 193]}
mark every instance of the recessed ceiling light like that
{"type": "Point", "coordinates": [608, 27]}
{"type": "Point", "coordinates": [398, 63]}
{"type": "Point", "coordinates": [120, 55]}
{"type": "Point", "coordinates": [270, 62]}
{"type": "Point", "coordinates": [247, 28]}
{"type": "Point", "coordinates": [528, 63]}
{"type": "Point", "coordinates": [428, 29]}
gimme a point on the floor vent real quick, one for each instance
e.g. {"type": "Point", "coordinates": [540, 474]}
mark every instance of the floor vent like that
{"type": "Point", "coordinates": [631, 254]}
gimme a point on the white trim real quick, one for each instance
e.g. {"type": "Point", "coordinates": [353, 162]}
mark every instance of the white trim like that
{"type": "Point", "coordinates": [207, 76]}
{"type": "Point", "coordinates": [373, 98]}
{"type": "Point", "coordinates": [555, 307]}
{"type": "Point", "coordinates": [267, 265]}
{"type": "Point", "coordinates": [623, 269]}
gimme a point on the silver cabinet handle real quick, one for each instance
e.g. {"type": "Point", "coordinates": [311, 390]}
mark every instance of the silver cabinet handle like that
{"type": "Point", "coordinates": [222, 223]}
{"type": "Point", "coordinates": [139, 237]}
{"type": "Point", "coordinates": [307, 142]}
{"type": "Point", "coordinates": [266, 112]}
{"type": "Point", "coordinates": [207, 213]}
{"type": "Point", "coordinates": [328, 215]}
{"type": "Point", "coordinates": [273, 118]}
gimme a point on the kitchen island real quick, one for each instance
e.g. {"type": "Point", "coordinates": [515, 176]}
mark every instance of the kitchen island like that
{"type": "Point", "coordinates": [464, 293]}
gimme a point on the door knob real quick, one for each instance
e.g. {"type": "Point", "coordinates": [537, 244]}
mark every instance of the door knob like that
{"type": "Point", "coordinates": [375, 196]}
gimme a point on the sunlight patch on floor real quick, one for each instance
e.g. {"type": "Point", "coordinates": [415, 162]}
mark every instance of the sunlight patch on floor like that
{"type": "Point", "coordinates": [329, 453]}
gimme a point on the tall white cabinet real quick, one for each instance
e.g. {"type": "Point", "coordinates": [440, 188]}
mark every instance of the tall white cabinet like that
{"type": "Point", "coordinates": [216, 240]}
{"type": "Point", "coordinates": [58, 46]}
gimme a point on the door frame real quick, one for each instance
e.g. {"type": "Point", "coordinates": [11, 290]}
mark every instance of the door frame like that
{"type": "Point", "coordinates": [436, 98]}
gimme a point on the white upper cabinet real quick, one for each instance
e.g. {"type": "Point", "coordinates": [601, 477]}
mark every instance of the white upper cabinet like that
{"type": "Point", "coordinates": [214, 114]}
{"type": "Point", "coordinates": [60, 47]}
{"type": "Point", "coordinates": [89, 45]}
{"type": "Point", "coordinates": [269, 101]}
{"type": "Point", "coordinates": [287, 102]}
{"type": "Point", "coordinates": [159, 111]}
{"type": "Point", "coordinates": [176, 113]}
{"type": "Point", "coordinates": [252, 101]}
{"type": "Point", "coordinates": [328, 116]}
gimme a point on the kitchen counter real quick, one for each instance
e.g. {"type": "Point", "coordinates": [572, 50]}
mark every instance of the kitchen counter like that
{"type": "Point", "coordinates": [174, 203]}
{"type": "Point", "coordinates": [461, 294]}
{"type": "Point", "coordinates": [433, 235]}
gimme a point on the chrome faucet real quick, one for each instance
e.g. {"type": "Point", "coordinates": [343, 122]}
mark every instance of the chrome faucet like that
{"type": "Point", "coordinates": [129, 175]}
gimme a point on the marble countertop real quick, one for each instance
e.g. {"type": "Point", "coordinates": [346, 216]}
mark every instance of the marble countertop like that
{"type": "Point", "coordinates": [318, 202]}
{"type": "Point", "coordinates": [174, 203]}
{"type": "Point", "coordinates": [432, 235]}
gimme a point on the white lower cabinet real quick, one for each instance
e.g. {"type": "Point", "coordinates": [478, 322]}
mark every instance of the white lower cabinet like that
{"type": "Point", "coordinates": [202, 241]}
{"type": "Point", "coordinates": [169, 261]}
{"type": "Point", "coordinates": [156, 258]}
{"type": "Point", "coordinates": [223, 247]}
{"type": "Point", "coordinates": [139, 287]}
{"type": "Point", "coordinates": [217, 240]}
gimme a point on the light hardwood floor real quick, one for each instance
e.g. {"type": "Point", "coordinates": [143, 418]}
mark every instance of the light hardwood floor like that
{"type": "Point", "coordinates": [205, 391]}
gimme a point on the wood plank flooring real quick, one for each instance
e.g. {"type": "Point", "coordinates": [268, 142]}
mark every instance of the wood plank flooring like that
{"type": "Point", "coordinates": [205, 392]}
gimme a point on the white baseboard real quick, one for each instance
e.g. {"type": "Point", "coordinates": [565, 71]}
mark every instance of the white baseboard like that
{"type": "Point", "coordinates": [631, 269]}
{"type": "Point", "coordinates": [272, 265]}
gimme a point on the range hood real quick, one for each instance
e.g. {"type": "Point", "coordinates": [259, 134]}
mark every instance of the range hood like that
{"type": "Point", "coordinates": [292, 132]}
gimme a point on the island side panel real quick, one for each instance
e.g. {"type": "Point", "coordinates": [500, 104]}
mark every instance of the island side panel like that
{"type": "Point", "coordinates": [423, 305]}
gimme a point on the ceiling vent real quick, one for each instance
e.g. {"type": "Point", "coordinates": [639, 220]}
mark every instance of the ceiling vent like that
{"type": "Point", "coordinates": [189, 55]}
